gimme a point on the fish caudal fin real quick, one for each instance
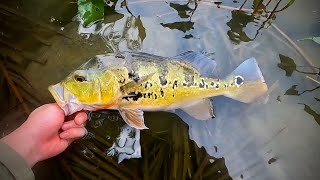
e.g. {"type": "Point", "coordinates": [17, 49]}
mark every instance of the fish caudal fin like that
{"type": "Point", "coordinates": [249, 80]}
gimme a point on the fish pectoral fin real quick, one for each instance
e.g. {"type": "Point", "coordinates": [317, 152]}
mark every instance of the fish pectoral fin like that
{"type": "Point", "coordinates": [133, 117]}
{"type": "Point", "coordinates": [201, 110]}
{"type": "Point", "coordinates": [137, 81]}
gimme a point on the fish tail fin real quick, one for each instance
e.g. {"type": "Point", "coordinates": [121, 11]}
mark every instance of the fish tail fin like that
{"type": "Point", "coordinates": [249, 80]}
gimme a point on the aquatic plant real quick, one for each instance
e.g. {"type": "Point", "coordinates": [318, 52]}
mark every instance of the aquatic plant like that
{"type": "Point", "coordinates": [18, 33]}
{"type": "Point", "coordinates": [167, 152]}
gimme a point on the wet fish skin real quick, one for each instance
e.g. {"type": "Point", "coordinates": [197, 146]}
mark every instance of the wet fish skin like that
{"type": "Point", "coordinates": [133, 83]}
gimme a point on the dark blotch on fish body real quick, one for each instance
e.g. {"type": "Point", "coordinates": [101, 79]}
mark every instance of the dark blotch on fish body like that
{"type": "Point", "coordinates": [161, 92]}
{"type": "Point", "coordinates": [134, 96]}
{"type": "Point", "coordinates": [163, 80]}
{"type": "Point", "coordinates": [189, 79]}
{"type": "Point", "coordinates": [202, 84]}
{"type": "Point", "coordinates": [122, 81]}
{"type": "Point", "coordinates": [147, 85]}
{"type": "Point", "coordinates": [175, 84]}
{"type": "Point", "coordinates": [132, 75]}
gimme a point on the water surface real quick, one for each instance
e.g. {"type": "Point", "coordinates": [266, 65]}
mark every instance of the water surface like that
{"type": "Point", "coordinates": [274, 138]}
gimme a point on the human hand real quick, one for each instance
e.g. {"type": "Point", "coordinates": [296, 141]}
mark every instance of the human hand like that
{"type": "Point", "coordinates": [46, 133]}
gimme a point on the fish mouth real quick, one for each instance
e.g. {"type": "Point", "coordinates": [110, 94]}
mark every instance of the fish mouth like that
{"type": "Point", "coordinates": [65, 99]}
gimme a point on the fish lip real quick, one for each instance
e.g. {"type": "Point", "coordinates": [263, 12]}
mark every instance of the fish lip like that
{"type": "Point", "coordinates": [57, 92]}
{"type": "Point", "coordinates": [66, 100]}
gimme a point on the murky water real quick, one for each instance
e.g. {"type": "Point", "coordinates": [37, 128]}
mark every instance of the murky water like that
{"type": "Point", "coordinates": [275, 138]}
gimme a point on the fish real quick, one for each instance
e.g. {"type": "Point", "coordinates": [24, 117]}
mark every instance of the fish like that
{"type": "Point", "coordinates": [134, 82]}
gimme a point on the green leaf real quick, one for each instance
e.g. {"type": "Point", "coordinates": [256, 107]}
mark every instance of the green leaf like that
{"type": "Point", "coordinates": [287, 64]}
{"type": "Point", "coordinates": [90, 11]}
{"type": "Point", "coordinates": [315, 39]}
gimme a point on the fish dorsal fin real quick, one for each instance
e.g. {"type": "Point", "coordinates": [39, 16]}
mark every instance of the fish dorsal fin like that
{"type": "Point", "coordinates": [142, 56]}
{"type": "Point", "coordinates": [201, 62]}
{"type": "Point", "coordinates": [133, 117]}
{"type": "Point", "coordinates": [200, 110]}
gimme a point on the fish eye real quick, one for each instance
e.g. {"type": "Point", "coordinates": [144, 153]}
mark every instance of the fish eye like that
{"type": "Point", "coordinates": [79, 78]}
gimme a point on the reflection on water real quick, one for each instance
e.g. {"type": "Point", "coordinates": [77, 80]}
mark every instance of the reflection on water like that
{"type": "Point", "coordinates": [117, 30]}
{"type": "Point", "coordinates": [127, 145]}
{"type": "Point", "coordinates": [237, 24]}
{"type": "Point", "coordinates": [271, 140]}
{"type": "Point", "coordinates": [167, 151]}
{"type": "Point", "coordinates": [313, 113]}
{"type": "Point", "coordinates": [184, 11]}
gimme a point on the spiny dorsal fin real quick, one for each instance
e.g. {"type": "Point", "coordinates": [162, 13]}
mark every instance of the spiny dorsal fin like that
{"type": "Point", "coordinates": [201, 62]}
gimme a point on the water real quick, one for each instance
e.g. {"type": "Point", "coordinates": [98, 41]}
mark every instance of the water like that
{"type": "Point", "coordinates": [275, 138]}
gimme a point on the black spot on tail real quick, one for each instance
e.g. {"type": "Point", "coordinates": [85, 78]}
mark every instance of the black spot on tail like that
{"type": "Point", "coordinates": [239, 80]}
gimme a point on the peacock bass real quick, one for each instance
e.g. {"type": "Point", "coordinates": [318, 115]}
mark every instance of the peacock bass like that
{"type": "Point", "coordinates": [136, 82]}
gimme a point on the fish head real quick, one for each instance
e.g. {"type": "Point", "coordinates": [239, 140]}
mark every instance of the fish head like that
{"type": "Point", "coordinates": [85, 89]}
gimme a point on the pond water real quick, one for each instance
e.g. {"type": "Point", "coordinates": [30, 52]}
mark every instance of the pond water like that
{"type": "Point", "coordinates": [274, 138]}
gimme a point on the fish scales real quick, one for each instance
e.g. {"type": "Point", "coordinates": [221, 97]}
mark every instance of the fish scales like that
{"type": "Point", "coordinates": [171, 82]}
{"type": "Point", "coordinates": [137, 82]}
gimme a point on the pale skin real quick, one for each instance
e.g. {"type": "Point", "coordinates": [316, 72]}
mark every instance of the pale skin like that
{"type": "Point", "coordinates": [46, 133]}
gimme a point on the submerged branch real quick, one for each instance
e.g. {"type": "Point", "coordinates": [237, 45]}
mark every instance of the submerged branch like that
{"type": "Point", "coordinates": [313, 79]}
{"type": "Point", "coordinates": [295, 46]}
{"type": "Point", "coordinates": [14, 88]}
{"type": "Point", "coordinates": [67, 168]}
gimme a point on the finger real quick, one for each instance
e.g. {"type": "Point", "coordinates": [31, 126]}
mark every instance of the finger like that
{"type": "Point", "coordinates": [66, 143]}
{"type": "Point", "coordinates": [72, 116]}
{"type": "Point", "coordinates": [71, 124]}
{"type": "Point", "coordinates": [73, 133]}
{"type": "Point", "coordinates": [81, 118]}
